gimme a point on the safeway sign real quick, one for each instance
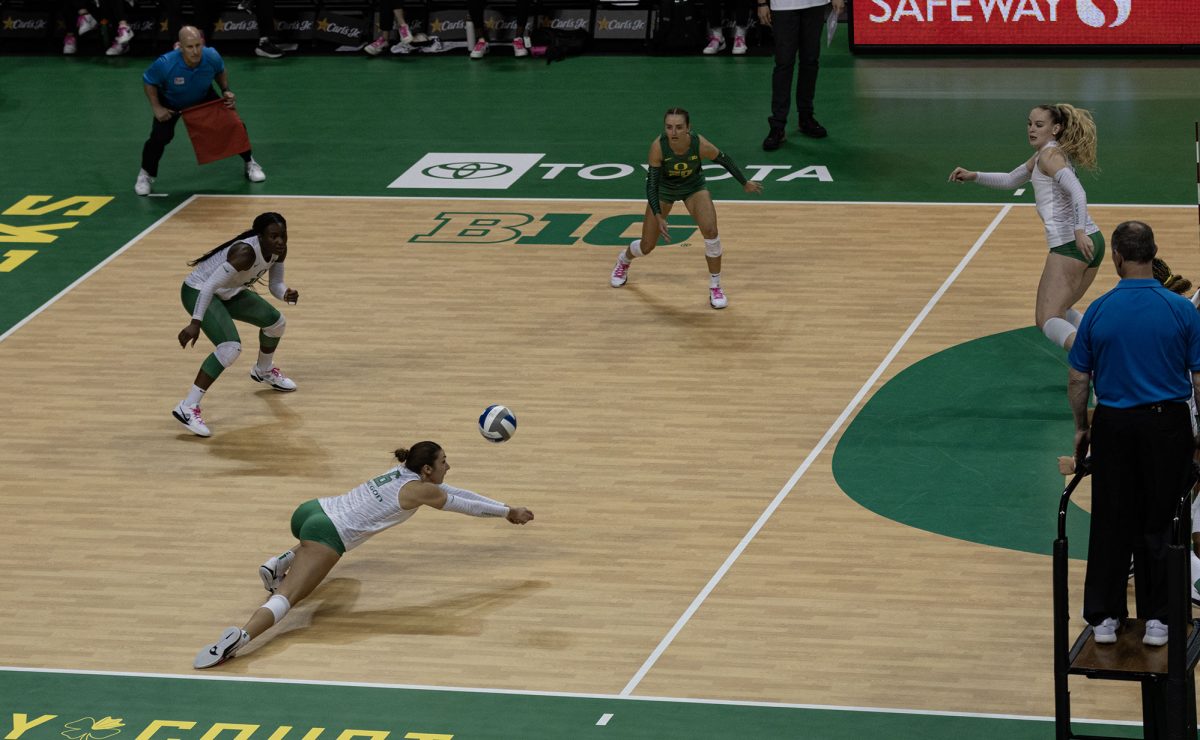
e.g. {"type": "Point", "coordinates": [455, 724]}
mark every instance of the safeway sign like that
{"type": "Point", "coordinates": [1025, 23]}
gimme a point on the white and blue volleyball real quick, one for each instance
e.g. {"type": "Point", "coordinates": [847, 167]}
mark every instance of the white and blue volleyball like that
{"type": "Point", "coordinates": [497, 423]}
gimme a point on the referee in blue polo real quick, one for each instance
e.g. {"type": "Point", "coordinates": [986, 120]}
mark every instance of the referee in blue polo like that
{"type": "Point", "coordinates": [1137, 345]}
{"type": "Point", "coordinates": [176, 80]}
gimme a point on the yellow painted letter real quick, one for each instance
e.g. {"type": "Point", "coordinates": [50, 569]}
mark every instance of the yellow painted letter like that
{"type": "Point", "coordinates": [88, 204]}
{"type": "Point", "coordinates": [33, 234]}
{"type": "Point", "coordinates": [21, 723]}
{"type": "Point", "coordinates": [243, 731]}
{"type": "Point", "coordinates": [158, 724]}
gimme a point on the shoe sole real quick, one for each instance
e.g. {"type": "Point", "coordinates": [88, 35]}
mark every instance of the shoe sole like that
{"type": "Point", "coordinates": [257, 379]}
{"type": "Point", "coordinates": [1104, 639]}
{"type": "Point", "coordinates": [1154, 641]}
{"type": "Point", "coordinates": [267, 55]}
{"type": "Point", "coordinates": [620, 284]}
{"type": "Point", "coordinates": [220, 651]}
{"type": "Point", "coordinates": [268, 578]}
{"type": "Point", "coordinates": [179, 418]}
{"type": "Point", "coordinates": [713, 305]}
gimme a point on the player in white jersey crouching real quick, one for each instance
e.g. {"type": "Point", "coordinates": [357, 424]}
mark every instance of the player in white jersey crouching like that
{"type": "Point", "coordinates": [215, 293]}
{"type": "Point", "coordinates": [1062, 136]}
{"type": "Point", "coordinates": [327, 527]}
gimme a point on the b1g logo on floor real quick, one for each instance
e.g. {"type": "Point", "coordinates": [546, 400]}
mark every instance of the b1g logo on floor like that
{"type": "Point", "coordinates": [471, 170]}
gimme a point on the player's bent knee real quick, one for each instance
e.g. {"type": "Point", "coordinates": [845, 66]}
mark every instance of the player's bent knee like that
{"type": "Point", "coordinates": [712, 247]}
{"type": "Point", "coordinates": [278, 605]}
{"type": "Point", "coordinates": [227, 353]}
{"type": "Point", "coordinates": [276, 330]}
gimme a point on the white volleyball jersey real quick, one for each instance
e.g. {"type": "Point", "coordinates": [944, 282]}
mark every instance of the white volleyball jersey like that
{"type": "Point", "coordinates": [369, 508]}
{"type": "Point", "coordinates": [237, 282]}
{"type": "Point", "coordinates": [1055, 207]}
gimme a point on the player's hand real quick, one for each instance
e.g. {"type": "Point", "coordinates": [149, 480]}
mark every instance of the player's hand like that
{"type": "Point", "coordinates": [961, 174]}
{"type": "Point", "coordinates": [291, 295]}
{"type": "Point", "coordinates": [230, 99]}
{"type": "Point", "coordinates": [662, 227]}
{"type": "Point", "coordinates": [1084, 244]}
{"type": "Point", "coordinates": [764, 14]}
{"type": "Point", "coordinates": [189, 334]}
{"type": "Point", "coordinates": [162, 115]}
{"type": "Point", "coordinates": [519, 515]}
{"type": "Point", "coordinates": [753, 186]}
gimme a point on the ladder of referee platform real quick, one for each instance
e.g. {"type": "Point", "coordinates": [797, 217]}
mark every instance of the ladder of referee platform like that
{"type": "Point", "coordinates": [1166, 675]}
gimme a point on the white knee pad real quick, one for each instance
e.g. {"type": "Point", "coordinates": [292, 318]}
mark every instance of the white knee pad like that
{"type": "Point", "coordinates": [635, 248]}
{"type": "Point", "coordinates": [276, 330]}
{"type": "Point", "coordinates": [278, 605]}
{"type": "Point", "coordinates": [712, 247]}
{"type": "Point", "coordinates": [227, 353]}
{"type": "Point", "coordinates": [1058, 330]}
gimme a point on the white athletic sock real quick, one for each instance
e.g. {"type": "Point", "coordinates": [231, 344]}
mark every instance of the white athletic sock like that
{"type": "Point", "coordinates": [622, 258]}
{"type": "Point", "coordinates": [265, 362]}
{"type": "Point", "coordinates": [194, 396]}
{"type": "Point", "coordinates": [714, 280]}
{"type": "Point", "coordinates": [1074, 317]}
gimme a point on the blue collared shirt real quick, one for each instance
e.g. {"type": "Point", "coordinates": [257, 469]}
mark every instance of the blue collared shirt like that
{"type": "Point", "coordinates": [1138, 340]}
{"type": "Point", "coordinates": [180, 86]}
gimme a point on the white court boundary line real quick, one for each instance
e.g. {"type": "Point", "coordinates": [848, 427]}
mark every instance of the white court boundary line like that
{"type": "Point", "coordinates": [808, 461]}
{"type": "Point", "coordinates": [161, 220]}
{"type": "Point", "coordinates": [643, 200]}
{"type": "Point", "coordinates": [560, 694]}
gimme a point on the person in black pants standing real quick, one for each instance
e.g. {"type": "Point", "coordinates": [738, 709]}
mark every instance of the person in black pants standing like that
{"type": "Point", "coordinates": [796, 26]}
{"type": "Point", "coordinates": [1136, 344]}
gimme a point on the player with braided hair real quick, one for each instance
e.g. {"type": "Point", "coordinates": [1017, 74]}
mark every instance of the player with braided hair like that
{"type": "Point", "coordinates": [1062, 137]}
{"type": "Point", "coordinates": [215, 294]}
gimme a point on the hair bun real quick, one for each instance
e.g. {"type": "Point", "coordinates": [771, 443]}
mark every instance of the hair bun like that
{"type": "Point", "coordinates": [401, 454]}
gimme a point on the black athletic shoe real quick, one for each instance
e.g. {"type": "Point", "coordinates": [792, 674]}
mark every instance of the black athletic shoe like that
{"type": "Point", "coordinates": [267, 49]}
{"type": "Point", "coordinates": [774, 139]}
{"type": "Point", "coordinates": [810, 128]}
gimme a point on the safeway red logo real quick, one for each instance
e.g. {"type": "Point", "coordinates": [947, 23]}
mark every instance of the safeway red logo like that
{"type": "Point", "coordinates": [1025, 22]}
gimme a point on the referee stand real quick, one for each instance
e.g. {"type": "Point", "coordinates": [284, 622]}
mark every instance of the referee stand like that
{"type": "Point", "coordinates": [1167, 676]}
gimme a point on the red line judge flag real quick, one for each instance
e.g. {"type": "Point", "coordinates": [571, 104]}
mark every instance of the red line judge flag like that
{"type": "Point", "coordinates": [216, 131]}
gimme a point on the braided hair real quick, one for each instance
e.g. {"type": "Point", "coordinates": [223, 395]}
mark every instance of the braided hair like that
{"type": "Point", "coordinates": [261, 222]}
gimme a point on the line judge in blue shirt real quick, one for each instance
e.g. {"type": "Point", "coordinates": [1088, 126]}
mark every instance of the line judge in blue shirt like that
{"type": "Point", "coordinates": [1136, 345]}
{"type": "Point", "coordinates": [176, 80]}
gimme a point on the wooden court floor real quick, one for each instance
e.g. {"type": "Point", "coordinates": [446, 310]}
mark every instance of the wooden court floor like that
{"type": "Point", "coordinates": [653, 432]}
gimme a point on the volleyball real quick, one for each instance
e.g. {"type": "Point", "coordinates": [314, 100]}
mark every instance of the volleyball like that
{"type": "Point", "coordinates": [497, 423]}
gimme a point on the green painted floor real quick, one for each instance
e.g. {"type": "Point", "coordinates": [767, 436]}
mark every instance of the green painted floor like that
{"type": "Point", "coordinates": [47, 706]}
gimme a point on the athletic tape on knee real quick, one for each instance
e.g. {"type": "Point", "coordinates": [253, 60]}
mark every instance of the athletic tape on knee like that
{"type": "Point", "coordinates": [712, 247]}
{"type": "Point", "coordinates": [227, 352]}
{"type": "Point", "coordinates": [1074, 317]}
{"type": "Point", "coordinates": [635, 248]}
{"type": "Point", "coordinates": [278, 605]}
{"type": "Point", "coordinates": [276, 330]}
{"type": "Point", "coordinates": [1058, 331]}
